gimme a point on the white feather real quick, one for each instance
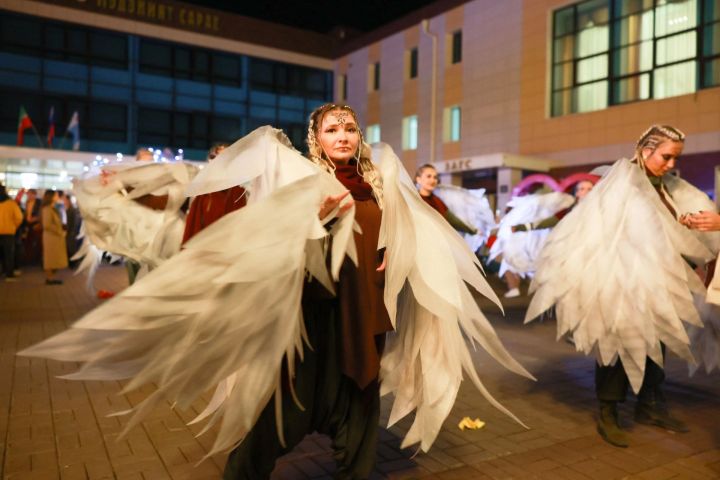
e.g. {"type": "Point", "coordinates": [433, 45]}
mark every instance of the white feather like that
{"type": "Point", "coordinates": [430, 305]}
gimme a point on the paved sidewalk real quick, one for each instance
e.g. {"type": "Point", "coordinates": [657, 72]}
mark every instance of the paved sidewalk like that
{"type": "Point", "coordinates": [56, 429]}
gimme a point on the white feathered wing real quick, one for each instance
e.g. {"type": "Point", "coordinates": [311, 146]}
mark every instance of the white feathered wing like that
{"type": "Point", "coordinates": [615, 272]}
{"type": "Point", "coordinates": [113, 222]}
{"type": "Point", "coordinates": [429, 268]}
{"type": "Point", "coordinates": [520, 250]}
{"type": "Point", "coordinates": [472, 207]}
{"type": "Point", "coordinates": [224, 312]}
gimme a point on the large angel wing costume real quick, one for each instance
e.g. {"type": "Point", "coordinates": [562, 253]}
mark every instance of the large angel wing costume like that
{"type": "Point", "coordinates": [520, 250]}
{"type": "Point", "coordinates": [225, 312]}
{"type": "Point", "coordinates": [472, 207]}
{"type": "Point", "coordinates": [115, 223]}
{"type": "Point", "coordinates": [225, 309]}
{"type": "Point", "coordinates": [615, 270]}
{"type": "Point", "coordinates": [431, 307]}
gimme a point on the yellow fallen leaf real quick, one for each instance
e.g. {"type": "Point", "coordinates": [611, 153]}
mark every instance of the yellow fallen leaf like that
{"type": "Point", "coordinates": [467, 422]}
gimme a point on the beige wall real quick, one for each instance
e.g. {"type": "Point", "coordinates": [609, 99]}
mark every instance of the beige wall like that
{"type": "Point", "coordinates": [485, 84]}
{"type": "Point", "coordinates": [501, 86]}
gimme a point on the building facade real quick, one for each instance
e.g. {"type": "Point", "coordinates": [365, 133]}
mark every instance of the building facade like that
{"type": "Point", "coordinates": [491, 91]}
{"type": "Point", "coordinates": [148, 73]}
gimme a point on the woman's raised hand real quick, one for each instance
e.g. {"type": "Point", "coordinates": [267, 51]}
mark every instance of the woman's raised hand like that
{"type": "Point", "coordinates": [331, 202]}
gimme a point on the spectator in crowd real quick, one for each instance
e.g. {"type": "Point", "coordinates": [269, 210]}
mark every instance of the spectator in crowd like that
{"type": "Point", "coordinates": [11, 218]}
{"type": "Point", "coordinates": [73, 227]}
{"type": "Point", "coordinates": [60, 207]}
{"type": "Point", "coordinates": [53, 238]}
{"type": "Point", "coordinates": [32, 228]}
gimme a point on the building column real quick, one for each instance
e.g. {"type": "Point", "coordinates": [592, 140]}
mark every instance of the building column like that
{"type": "Point", "coordinates": [506, 179]}
{"type": "Point", "coordinates": [451, 179]}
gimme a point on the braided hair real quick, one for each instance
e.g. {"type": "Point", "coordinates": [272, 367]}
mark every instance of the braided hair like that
{"type": "Point", "coordinates": [318, 156]}
{"type": "Point", "coordinates": [653, 137]}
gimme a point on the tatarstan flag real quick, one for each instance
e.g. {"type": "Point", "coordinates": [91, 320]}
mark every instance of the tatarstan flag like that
{"type": "Point", "coordinates": [24, 123]}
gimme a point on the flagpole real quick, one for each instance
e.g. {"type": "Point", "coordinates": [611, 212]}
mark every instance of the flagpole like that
{"type": "Point", "coordinates": [37, 135]}
{"type": "Point", "coordinates": [62, 140]}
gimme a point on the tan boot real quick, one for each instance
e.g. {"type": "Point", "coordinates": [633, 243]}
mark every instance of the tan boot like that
{"type": "Point", "coordinates": [608, 426]}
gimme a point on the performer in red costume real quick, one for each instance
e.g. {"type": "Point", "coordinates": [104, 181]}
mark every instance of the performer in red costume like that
{"type": "Point", "coordinates": [427, 179]}
{"type": "Point", "coordinates": [208, 208]}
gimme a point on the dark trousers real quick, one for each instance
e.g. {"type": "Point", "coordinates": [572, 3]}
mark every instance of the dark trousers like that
{"type": "Point", "coordinates": [611, 383]}
{"type": "Point", "coordinates": [7, 246]}
{"type": "Point", "coordinates": [333, 405]}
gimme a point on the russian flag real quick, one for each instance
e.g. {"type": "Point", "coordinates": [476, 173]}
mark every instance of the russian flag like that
{"type": "Point", "coordinates": [51, 127]}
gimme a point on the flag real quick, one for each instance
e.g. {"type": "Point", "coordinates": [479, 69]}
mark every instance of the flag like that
{"type": "Point", "coordinates": [74, 129]}
{"type": "Point", "coordinates": [24, 123]}
{"type": "Point", "coordinates": [51, 127]}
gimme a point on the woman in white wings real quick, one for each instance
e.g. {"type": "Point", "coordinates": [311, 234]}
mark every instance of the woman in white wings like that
{"type": "Point", "coordinates": [615, 269]}
{"type": "Point", "coordinates": [468, 211]}
{"type": "Point", "coordinates": [426, 178]}
{"type": "Point", "coordinates": [132, 209]}
{"type": "Point", "coordinates": [286, 356]}
{"type": "Point", "coordinates": [518, 251]}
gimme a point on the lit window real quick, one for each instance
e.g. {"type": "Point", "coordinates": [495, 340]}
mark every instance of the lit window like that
{"type": "Point", "coordinates": [609, 52]}
{"type": "Point", "coordinates": [410, 133]}
{"type": "Point", "coordinates": [451, 124]}
{"type": "Point", "coordinates": [372, 133]}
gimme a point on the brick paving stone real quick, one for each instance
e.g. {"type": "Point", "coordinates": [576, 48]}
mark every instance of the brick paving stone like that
{"type": "Point", "coordinates": [563, 473]}
{"type": "Point", "coordinates": [51, 428]}
{"type": "Point", "coordinates": [659, 473]}
{"type": "Point", "coordinates": [461, 473]}
{"type": "Point", "coordinates": [407, 466]}
{"type": "Point", "coordinates": [598, 469]}
{"type": "Point", "coordinates": [683, 471]}
{"type": "Point", "coordinates": [477, 457]}
{"type": "Point", "coordinates": [629, 460]}
{"type": "Point", "coordinates": [543, 465]}
{"type": "Point", "coordinates": [430, 464]}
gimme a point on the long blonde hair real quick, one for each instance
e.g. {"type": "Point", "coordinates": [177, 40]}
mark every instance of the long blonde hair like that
{"type": "Point", "coordinates": [366, 168]}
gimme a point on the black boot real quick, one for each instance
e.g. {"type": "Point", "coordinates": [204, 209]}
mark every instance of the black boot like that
{"type": "Point", "coordinates": [655, 413]}
{"type": "Point", "coordinates": [608, 426]}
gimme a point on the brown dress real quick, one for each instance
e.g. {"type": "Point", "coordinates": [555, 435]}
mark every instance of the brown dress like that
{"type": "Point", "coordinates": [336, 382]}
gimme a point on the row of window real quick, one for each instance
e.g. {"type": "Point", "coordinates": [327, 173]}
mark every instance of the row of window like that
{"type": "Point", "coordinates": [192, 63]}
{"type": "Point", "coordinates": [609, 52]}
{"type": "Point", "coordinates": [108, 122]}
{"type": "Point", "coordinates": [452, 122]}
{"type": "Point", "coordinates": [200, 130]}
{"type": "Point", "coordinates": [453, 55]}
{"type": "Point", "coordinates": [41, 38]}
{"type": "Point", "coordinates": [60, 41]}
